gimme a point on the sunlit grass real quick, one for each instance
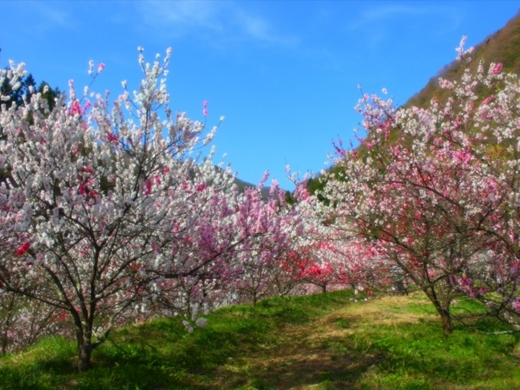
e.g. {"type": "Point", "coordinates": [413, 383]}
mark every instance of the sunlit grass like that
{"type": "Point", "coordinates": [316, 342]}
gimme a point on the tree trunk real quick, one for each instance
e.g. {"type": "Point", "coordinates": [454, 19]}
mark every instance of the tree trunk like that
{"type": "Point", "coordinates": [83, 337]}
{"type": "Point", "coordinates": [447, 325]}
{"type": "Point", "coordinates": [443, 308]}
{"type": "Point", "coordinates": [84, 353]}
{"type": "Point", "coordinates": [4, 343]}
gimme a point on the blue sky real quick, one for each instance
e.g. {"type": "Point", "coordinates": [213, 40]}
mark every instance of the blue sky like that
{"type": "Point", "coordinates": [283, 73]}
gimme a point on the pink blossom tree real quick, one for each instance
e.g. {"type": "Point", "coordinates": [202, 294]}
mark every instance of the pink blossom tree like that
{"type": "Point", "coordinates": [327, 254]}
{"type": "Point", "coordinates": [272, 226]}
{"type": "Point", "coordinates": [441, 203]}
{"type": "Point", "coordinates": [23, 321]}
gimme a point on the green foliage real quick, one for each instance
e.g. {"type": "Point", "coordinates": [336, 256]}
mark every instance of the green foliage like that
{"type": "Point", "coordinates": [17, 96]}
{"type": "Point", "coordinates": [51, 94]}
{"type": "Point", "coordinates": [316, 184]}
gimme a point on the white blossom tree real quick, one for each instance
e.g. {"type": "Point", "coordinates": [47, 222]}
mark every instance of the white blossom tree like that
{"type": "Point", "coordinates": [107, 216]}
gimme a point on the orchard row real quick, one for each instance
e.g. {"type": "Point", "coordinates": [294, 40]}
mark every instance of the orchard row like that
{"type": "Point", "coordinates": [108, 216]}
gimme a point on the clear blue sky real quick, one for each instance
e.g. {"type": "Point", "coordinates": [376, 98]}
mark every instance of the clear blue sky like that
{"type": "Point", "coordinates": [283, 73]}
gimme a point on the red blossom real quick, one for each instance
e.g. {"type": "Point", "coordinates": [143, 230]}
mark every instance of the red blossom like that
{"type": "Point", "coordinates": [148, 187]}
{"type": "Point", "coordinates": [23, 248]}
{"type": "Point", "coordinates": [82, 190]}
{"type": "Point", "coordinates": [112, 138]}
{"type": "Point", "coordinates": [93, 194]}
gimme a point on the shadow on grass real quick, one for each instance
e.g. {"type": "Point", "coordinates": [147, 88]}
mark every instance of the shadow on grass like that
{"type": "Point", "coordinates": [340, 371]}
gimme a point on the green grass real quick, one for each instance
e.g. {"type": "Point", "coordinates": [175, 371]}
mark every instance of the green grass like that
{"type": "Point", "coordinates": [316, 342]}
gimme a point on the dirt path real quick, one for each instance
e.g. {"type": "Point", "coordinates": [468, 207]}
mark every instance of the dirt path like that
{"type": "Point", "coordinates": [317, 352]}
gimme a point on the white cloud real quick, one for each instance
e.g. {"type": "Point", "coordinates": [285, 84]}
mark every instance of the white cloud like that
{"type": "Point", "coordinates": [389, 12]}
{"type": "Point", "coordinates": [259, 29]}
{"type": "Point", "coordinates": [225, 21]}
{"type": "Point", "coordinates": [180, 17]}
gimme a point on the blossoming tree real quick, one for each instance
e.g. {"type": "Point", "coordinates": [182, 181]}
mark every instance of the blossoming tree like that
{"type": "Point", "coordinates": [272, 226]}
{"type": "Point", "coordinates": [441, 203]}
{"type": "Point", "coordinates": [106, 216]}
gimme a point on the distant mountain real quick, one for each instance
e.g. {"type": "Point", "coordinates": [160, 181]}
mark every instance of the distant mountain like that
{"type": "Point", "coordinates": [243, 184]}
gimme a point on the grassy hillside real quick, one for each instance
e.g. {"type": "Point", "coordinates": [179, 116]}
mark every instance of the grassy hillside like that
{"type": "Point", "coordinates": [502, 46]}
{"type": "Point", "coordinates": [313, 342]}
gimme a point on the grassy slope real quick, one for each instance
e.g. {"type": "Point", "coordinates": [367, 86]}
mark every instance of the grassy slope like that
{"type": "Point", "coordinates": [317, 342]}
{"type": "Point", "coordinates": [502, 46]}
